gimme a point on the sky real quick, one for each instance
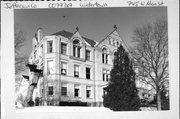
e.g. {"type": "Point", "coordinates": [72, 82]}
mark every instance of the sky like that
{"type": "Point", "coordinates": [93, 23]}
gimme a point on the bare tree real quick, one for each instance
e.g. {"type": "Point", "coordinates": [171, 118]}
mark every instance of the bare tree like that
{"type": "Point", "coordinates": [20, 57]}
{"type": "Point", "coordinates": [151, 55]}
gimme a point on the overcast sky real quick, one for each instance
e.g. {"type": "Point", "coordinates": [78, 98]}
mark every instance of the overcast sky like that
{"type": "Point", "coordinates": [93, 23]}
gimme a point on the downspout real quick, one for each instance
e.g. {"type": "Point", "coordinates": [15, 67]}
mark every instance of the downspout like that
{"type": "Point", "coordinates": [44, 76]}
{"type": "Point", "coordinates": [94, 79]}
{"type": "Point", "coordinates": [59, 71]}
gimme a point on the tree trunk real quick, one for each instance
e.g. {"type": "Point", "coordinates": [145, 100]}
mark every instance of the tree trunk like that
{"type": "Point", "coordinates": [33, 83]}
{"type": "Point", "coordinates": [29, 94]}
{"type": "Point", "coordinates": [158, 100]}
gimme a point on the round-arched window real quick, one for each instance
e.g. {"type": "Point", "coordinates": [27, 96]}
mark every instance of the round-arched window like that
{"type": "Point", "coordinates": [104, 50]}
{"type": "Point", "coordinates": [76, 48]}
{"type": "Point", "coordinates": [115, 55]}
{"type": "Point", "coordinates": [104, 56]}
{"type": "Point", "coordinates": [76, 42]}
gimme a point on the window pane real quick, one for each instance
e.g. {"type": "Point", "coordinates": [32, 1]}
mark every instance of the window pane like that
{"type": "Point", "coordinates": [50, 68]}
{"type": "Point", "coordinates": [106, 59]}
{"type": "Point", "coordinates": [76, 93]}
{"type": "Point", "coordinates": [50, 90]}
{"type": "Point", "coordinates": [63, 48]}
{"type": "Point", "coordinates": [76, 48]}
{"type": "Point", "coordinates": [88, 91]}
{"type": "Point", "coordinates": [107, 77]}
{"type": "Point", "coordinates": [49, 46]}
{"type": "Point", "coordinates": [103, 77]}
{"type": "Point", "coordinates": [76, 74]}
{"type": "Point", "coordinates": [79, 49]}
{"type": "Point", "coordinates": [76, 68]}
{"type": "Point", "coordinates": [104, 91]}
{"type": "Point", "coordinates": [104, 51]}
{"type": "Point", "coordinates": [87, 55]}
{"type": "Point", "coordinates": [117, 43]}
{"type": "Point", "coordinates": [88, 73]}
{"type": "Point", "coordinates": [63, 65]}
{"type": "Point", "coordinates": [76, 71]}
{"type": "Point", "coordinates": [76, 42]}
{"type": "Point", "coordinates": [63, 68]}
{"type": "Point", "coordinates": [76, 90]}
{"type": "Point", "coordinates": [64, 90]}
{"type": "Point", "coordinates": [74, 51]}
{"type": "Point", "coordinates": [102, 58]}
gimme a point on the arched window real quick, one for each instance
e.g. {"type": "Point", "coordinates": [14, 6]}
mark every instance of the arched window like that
{"type": "Point", "coordinates": [104, 56]}
{"type": "Point", "coordinates": [117, 43]}
{"type": "Point", "coordinates": [115, 55]}
{"type": "Point", "coordinates": [76, 48]}
{"type": "Point", "coordinates": [114, 42]}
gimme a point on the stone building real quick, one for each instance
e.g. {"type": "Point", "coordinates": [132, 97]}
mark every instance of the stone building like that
{"type": "Point", "coordinates": [75, 68]}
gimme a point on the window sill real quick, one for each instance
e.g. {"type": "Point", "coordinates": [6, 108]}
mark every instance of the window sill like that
{"type": "Point", "coordinates": [77, 97]}
{"type": "Point", "coordinates": [89, 98]}
{"type": "Point", "coordinates": [49, 52]}
{"type": "Point", "coordinates": [64, 74]}
{"type": "Point", "coordinates": [77, 58]}
{"type": "Point", "coordinates": [64, 54]}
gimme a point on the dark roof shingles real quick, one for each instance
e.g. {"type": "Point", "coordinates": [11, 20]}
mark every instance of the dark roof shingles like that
{"type": "Point", "coordinates": [67, 34]}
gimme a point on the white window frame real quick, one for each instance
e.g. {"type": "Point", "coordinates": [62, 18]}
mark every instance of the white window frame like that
{"type": "Point", "coordinates": [105, 56]}
{"type": "Point", "coordinates": [76, 49]}
{"type": "Point", "coordinates": [66, 86]}
{"type": "Point", "coordinates": [48, 46]}
{"type": "Point", "coordinates": [89, 73]}
{"type": "Point", "coordinates": [78, 67]}
{"type": "Point", "coordinates": [48, 70]}
{"type": "Point", "coordinates": [77, 86]}
{"type": "Point", "coordinates": [89, 88]}
{"type": "Point", "coordinates": [62, 43]}
{"type": "Point", "coordinates": [88, 57]}
{"type": "Point", "coordinates": [62, 68]}
{"type": "Point", "coordinates": [105, 75]}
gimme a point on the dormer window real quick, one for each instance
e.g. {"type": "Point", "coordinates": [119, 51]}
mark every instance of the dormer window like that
{"type": "Point", "coordinates": [117, 43]}
{"type": "Point", "coordinates": [114, 42]}
{"type": "Point", "coordinates": [104, 56]}
{"type": "Point", "coordinates": [76, 48]}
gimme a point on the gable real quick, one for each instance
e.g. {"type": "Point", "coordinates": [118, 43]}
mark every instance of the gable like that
{"type": "Point", "coordinates": [69, 35]}
{"type": "Point", "coordinates": [113, 41]}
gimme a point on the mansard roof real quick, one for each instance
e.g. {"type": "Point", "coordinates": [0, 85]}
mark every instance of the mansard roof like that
{"type": "Point", "coordinates": [68, 34]}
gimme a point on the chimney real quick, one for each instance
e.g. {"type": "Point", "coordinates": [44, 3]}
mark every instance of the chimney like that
{"type": "Point", "coordinates": [39, 34]}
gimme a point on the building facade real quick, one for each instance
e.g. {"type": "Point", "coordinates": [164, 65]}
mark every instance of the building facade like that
{"type": "Point", "coordinates": [74, 68]}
